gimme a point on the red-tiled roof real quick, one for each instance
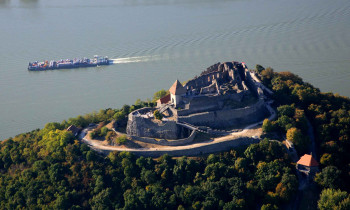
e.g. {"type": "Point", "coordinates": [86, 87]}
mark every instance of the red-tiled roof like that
{"type": "Point", "coordinates": [177, 88]}
{"type": "Point", "coordinates": [307, 160]}
{"type": "Point", "coordinates": [165, 99]}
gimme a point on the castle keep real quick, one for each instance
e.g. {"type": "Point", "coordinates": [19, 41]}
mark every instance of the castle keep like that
{"type": "Point", "coordinates": [225, 96]}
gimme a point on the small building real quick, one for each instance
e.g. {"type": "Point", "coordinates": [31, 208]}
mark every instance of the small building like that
{"type": "Point", "coordinates": [73, 129]}
{"type": "Point", "coordinates": [176, 93]}
{"type": "Point", "coordinates": [307, 165]}
{"type": "Point", "coordinates": [164, 100]}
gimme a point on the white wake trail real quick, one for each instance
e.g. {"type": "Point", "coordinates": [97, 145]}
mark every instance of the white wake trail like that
{"type": "Point", "coordinates": [136, 59]}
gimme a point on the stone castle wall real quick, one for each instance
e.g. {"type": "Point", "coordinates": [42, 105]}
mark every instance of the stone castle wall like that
{"type": "Point", "coordinates": [227, 117]}
{"type": "Point", "coordinates": [144, 127]}
{"type": "Point", "coordinates": [166, 142]}
{"type": "Point", "coordinates": [205, 80]}
{"type": "Point", "coordinates": [207, 103]}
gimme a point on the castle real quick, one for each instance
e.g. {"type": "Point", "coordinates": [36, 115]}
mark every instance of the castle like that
{"type": "Point", "coordinates": [225, 96]}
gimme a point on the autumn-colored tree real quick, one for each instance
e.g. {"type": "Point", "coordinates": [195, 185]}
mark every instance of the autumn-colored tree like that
{"type": "Point", "coordinates": [267, 126]}
{"type": "Point", "coordinates": [300, 141]}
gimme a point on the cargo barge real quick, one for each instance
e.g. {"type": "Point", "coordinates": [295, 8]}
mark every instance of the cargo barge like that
{"type": "Point", "coordinates": [69, 63]}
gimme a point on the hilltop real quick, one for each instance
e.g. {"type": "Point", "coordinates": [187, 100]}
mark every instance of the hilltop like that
{"type": "Point", "coordinates": [52, 168]}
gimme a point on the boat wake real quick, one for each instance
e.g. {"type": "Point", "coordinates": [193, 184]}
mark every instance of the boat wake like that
{"type": "Point", "coordinates": [136, 59]}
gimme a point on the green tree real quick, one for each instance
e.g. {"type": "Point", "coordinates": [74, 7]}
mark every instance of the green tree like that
{"type": "Point", "coordinates": [267, 126]}
{"type": "Point", "coordinates": [157, 115]}
{"type": "Point", "coordinates": [160, 94]}
{"type": "Point", "coordinates": [104, 131]}
{"type": "Point", "coordinates": [285, 122]}
{"type": "Point", "coordinates": [119, 116]}
{"type": "Point", "coordinates": [287, 110]}
{"type": "Point", "coordinates": [102, 200]}
{"type": "Point", "coordinates": [300, 141]}
{"type": "Point", "coordinates": [121, 139]}
{"type": "Point", "coordinates": [56, 172]}
{"type": "Point", "coordinates": [91, 156]}
{"type": "Point", "coordinates": [148, 176]}
{"type": "Point", "coordinates": [267, 75]}
{"type": "Point", "coordinates": [329, 177]}
{"type": "Point", "coordinates": [259, 68]}
{"type": "Point", "coordinates": [269, 207]}
{"type": "Point", "coordinates": [327, 159]}
{"type": "Point", "coordinates": [333, 199]}
{"type": "Point", "coordinates": [109, 136]}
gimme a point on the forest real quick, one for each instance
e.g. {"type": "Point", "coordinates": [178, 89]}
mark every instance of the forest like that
{"type": "Point", "coordinates": [297, 103]}
{"type": "Point", "coordinates": [50, 168]}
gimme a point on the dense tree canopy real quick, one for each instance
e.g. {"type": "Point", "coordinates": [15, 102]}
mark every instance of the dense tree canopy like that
{"type": "Point", "coordinates": [329, 114]}
{"type": "Point", "coordinates": [48, 168]}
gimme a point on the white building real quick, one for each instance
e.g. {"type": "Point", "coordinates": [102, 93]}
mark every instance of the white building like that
{"type": "Point", "coordinates": [176, 93]}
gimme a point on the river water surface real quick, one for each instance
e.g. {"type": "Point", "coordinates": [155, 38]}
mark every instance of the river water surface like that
{"type": "Point", "coordinates": [156, 42]}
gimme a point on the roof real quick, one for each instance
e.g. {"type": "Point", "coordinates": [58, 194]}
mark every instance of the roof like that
{"type": "Point", "coordinates": [307, 160]}
{"type": "Point", "coordinates": [165, 99]}
{"type": "Point", "coordinates": [73, 129]}
{"type": "Point", "coordinates": [177, 88]}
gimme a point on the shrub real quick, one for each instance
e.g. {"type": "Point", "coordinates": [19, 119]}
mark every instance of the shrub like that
{"type": "Point", "coordinates": [121, 139]}
{"type": "Point", "coordinates": [157, 115]}
{"type": "Point", "coordinates": [109, 135]}
{"type": "Point", "coordinates": [99, 132]}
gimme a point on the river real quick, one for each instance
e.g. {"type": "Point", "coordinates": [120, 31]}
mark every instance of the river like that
{"type": "Point", "coordinates": [157, 42]}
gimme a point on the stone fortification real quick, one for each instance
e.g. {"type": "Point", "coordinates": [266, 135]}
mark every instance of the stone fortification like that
{"type": "Point", "coordinates": [145, 127]}
{"type": "Point", "coordinates": [225, 72]}
{"type": "Point", "coordinates": [227, 117]}
{"type": "Point", "coordinates": [207, 103]}
{"type": "Point", "coordinates": [208, 100]}
{"type": "Point", "coordinates": [166, 142]}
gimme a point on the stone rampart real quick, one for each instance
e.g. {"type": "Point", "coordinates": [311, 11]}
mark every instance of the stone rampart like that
{"type": "Point", "coordinates": [166, 142]}
{"type": "Point", "coordinates": [227, 117]}
{"type": "Point", "coordinates": [207, 103]}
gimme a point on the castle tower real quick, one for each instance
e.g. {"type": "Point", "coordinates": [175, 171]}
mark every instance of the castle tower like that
{"type": "Point", "coordinates": [307, 165]}
{"type": "Point", "coordinates": [176, 93]}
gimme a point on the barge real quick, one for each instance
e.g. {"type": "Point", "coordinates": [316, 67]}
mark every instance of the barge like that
{"type": "Point", "coordinates": [69, 63]}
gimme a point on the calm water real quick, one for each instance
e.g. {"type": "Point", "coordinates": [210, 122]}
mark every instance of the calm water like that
{"type": "Point", "coordinates": [157, 42]}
